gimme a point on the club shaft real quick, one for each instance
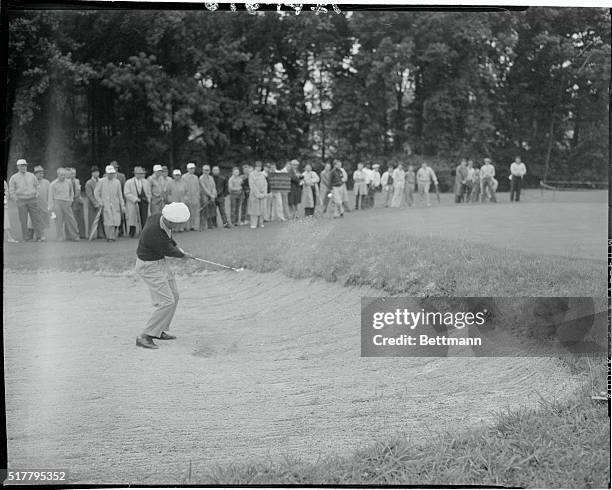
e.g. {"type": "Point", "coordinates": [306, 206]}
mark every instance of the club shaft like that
{"type": "Point", "coordinates": [213, 263]}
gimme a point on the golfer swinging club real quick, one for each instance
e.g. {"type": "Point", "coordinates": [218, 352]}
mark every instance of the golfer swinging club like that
{"type": "Point", "coordinates": [154, 246]}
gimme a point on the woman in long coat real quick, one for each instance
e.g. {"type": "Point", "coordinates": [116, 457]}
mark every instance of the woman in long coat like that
{"type": "Point", "coordinates": [325, 186]}
{"type": "Point", "coordinates": [108, 194]}
{"type": "Point", "coordinates": [399, 183]}
{"type": "Point", "coordinates": [310, 190]}
{"type": "Point", "coordinates": [257, 202]}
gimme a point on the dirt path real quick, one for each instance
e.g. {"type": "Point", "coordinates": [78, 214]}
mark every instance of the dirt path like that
{"type": "Point", "coordinates": [263, 367]}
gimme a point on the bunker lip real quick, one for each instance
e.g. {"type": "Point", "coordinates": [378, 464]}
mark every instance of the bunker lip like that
{"type": "Point", "coordinates": [263, 366]}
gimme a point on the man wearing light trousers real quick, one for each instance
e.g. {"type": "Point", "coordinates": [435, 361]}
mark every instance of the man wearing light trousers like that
{"type": "Point", "coordinates": [154, 246]}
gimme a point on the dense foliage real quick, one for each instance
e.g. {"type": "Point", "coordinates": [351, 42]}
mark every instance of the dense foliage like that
{"type": "Point", "coordinates": [145, 87]}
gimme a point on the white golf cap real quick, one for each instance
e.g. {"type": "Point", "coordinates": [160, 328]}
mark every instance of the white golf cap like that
{"type": "Point", "coordinates": [157, 168]}
{"type": "Point", "coordinates": [191, 165]}
{"type": "Point", "coordinates": [176, 212]}
{"type": "Point", "coordinates": [176, 172]}
{"type": "Point", "coordinates": [110, 169]}
{"type": "Point", "coordinates": [21, 161]}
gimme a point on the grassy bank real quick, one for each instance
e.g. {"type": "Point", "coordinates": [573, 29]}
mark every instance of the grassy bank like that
{"type": "Point", "coordinates": [398, 264]}
{"type": "Point", "coordinates": [558, 445]}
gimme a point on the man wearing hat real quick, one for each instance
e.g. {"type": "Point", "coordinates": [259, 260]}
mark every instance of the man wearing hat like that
{"type": "Point", "coordinates": [137, 192]}
{"type": "Point", "coordinates": [369, 175]}
{"type": "Point", "coordinates": [43, 202]}
{"type": "Point", "coordinates": [166, 180]}
{"type": "Point", "coordinates": [158, 186]}
{"type": "Point", "coordinates": [487, 181]}
{"type": "Point", "coordinates": [222, 192]}
{"type": "Point", "coordinates": [177, 192]}
{"type": "Point", "coordinates": [61, 195]}
{"type": "Point", "coordinates": [193, 194]}
{"type": "Point", "coordinates": [154, 246]}
{"type": "Point", "coordinates": [108, 194]}
{"type": "Point", "coordinates": [208, 194]}
{"type": "Point", "coordinates": [77, 203]}
{"type": "Point", "coordinates": [93, 206]}
{"type": "Point", "coordinates": [23, 188]}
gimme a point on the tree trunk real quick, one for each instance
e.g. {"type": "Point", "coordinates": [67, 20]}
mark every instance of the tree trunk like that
{"type": "Point", "coordinates": [551, 129]}
{"type": "Point", "coordinates": [576, 136]}
{"type": "Point", "coordinates": [322, 112]}
{"type": "Point", "coordinates": [399, 120]}
{"type": "Point", "coordinates": [171, 155]}
{"type": "Point", "coordinates": [418, 104]}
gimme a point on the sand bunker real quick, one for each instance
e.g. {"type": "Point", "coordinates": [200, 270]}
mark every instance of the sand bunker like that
{"type": "Point", "coordinates": [263, 366]}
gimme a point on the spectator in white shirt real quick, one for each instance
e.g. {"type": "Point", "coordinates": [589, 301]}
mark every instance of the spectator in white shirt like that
{"type": "Point", "coordinates": [369, 173]}
{"type": "Point", "coordinates": [487, 175]}
{"type": "Point", "coordinates": [61, 195]}
{"type": "Point", "coordinates": [360, 186]}
{"type": "Point", "coordinates": [425, 176]}
{"type": "Point", "coordinates": [517, 172]}
{"type": "Point", "coordinates": [23, 188]}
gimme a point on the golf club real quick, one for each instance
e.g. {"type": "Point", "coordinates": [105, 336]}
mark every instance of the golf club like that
{"type": "Point", "coordinates": [219, 265]}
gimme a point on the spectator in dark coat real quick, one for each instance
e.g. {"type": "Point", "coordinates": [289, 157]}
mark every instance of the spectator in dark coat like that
{"type": "Point", "coordinates": [122, 179]}
{"type": "Point", "coordinates": [221, 185]}
{"type": "Point", "coordinates": [246, 170]}
{"type": "Point", "coordinates": [295, 194]}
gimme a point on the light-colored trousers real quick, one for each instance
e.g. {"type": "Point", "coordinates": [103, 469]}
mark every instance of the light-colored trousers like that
{"type": "Point", "coordinates": [194, 215]}
{"type": "Point", "coordinates": [338, 196]}
{"type": "Point", "coordinates": [408, 190]}
{"type": "Point", "coordinates": [424, 191]}
{"type": "Point", "coordinates": [66, 223]}
{"type": "Point", "coordinates": [398, 195]}
{"type": "Point", "coordinates": [268, 207]}
{"type": "Point", "coordinates": [276, 206]}
{"type": "Point", "coordinates": [388, 194]}
{"type": "Point", "coordinates": [164, 295]}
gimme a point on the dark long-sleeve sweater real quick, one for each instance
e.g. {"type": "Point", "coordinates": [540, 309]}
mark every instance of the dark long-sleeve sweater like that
{"type": "Point", "coordinates": [154, 243]}
{"type": "Point", "coordinates": [336, 177]}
